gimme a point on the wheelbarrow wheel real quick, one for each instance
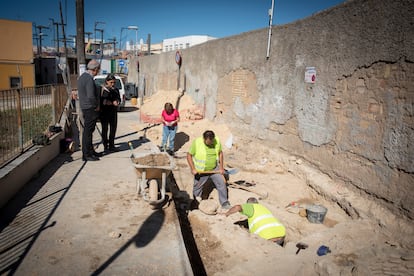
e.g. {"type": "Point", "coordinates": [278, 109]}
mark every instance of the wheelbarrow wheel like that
{"type": "Point", "coordinates": [153, 190]}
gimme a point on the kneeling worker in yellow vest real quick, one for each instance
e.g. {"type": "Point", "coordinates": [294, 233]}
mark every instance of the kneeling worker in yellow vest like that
{"type": "Point", "coordinates": [261, 221]}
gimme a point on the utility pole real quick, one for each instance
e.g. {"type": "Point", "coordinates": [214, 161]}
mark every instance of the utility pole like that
{"type": "Point", "coordinates": [36, 37]}
{"type": "Point", "coordinates": [80, 37]}
{"type": "Point", "coordinates": [54, 32]}
{"type": "Point", "coordinates": [88, 34]}
{"type": "Point", "coordinates": [113, 41]}
{"type": "Point", "coordinates": [56, 38]}
{"type": "Point", "coordinates": [100, 30]}
{"type": "Point", "coordinates": [40, 27]}
{"type": "Point", "coordinates": [80, 54]}
{"type": "Point", "coordinates": [65, 67]}
{"type": "Point", "coordinates": [120, 39]}
{"type": "Point", "coordinates": [101, 43]}
{"type": "Point", "coordinates": [149, 44]}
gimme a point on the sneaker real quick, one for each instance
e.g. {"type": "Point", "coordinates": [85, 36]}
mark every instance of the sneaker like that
{"type": "Point", "coordinates": [226, 205]}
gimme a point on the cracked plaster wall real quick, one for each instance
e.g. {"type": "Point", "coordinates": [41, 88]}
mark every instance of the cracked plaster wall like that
{"type": "Point", "coordinates": [355, 123]}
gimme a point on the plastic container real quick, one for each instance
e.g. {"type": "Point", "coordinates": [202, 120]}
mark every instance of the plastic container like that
{"type": "Point", "coordinates": [316, 213]}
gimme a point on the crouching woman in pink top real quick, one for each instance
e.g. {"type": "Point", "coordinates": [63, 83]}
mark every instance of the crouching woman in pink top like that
{"type": "Point", "coordinates": [170, 117]}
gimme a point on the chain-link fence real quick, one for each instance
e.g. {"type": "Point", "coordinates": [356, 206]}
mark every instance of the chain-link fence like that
{"type": "Point", "coordinates": [26, 113]}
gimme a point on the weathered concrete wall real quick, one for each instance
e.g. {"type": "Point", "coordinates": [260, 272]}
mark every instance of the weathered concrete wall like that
{"type": "Point", "coordinates": [355, 123]}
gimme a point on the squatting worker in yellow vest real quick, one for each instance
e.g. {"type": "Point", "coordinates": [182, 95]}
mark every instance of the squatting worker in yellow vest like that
{"type": "Point", "coordinates": [206, 155]}
{"type": "Point", "coordinates": [261, 221]}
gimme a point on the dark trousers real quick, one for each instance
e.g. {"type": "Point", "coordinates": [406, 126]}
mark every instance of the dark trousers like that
{"type": "Point", "coordinates": [109, 118]}
{"type": "Point", "coordinates": [90, 117]}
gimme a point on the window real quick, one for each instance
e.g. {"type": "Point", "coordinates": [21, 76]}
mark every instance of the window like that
{"type": "Point", "coordinates": [15, 82]}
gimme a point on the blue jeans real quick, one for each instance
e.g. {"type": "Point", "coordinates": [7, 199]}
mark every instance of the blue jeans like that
{"type": "Point", "coordinates": [168, 133]}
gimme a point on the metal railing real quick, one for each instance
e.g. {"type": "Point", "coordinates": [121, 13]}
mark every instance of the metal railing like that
{"type": "Point", "coordinates": [25, 113]}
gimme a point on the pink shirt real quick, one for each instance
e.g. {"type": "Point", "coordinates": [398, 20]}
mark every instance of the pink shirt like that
{"type": "Point", "coordinates": [170, 117]}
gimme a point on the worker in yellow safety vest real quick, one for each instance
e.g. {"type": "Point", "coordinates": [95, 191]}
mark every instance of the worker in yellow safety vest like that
{"type": "Point", "coordinates": [205, 158]}
{"type": "Point", "coordinates": [260, 221]}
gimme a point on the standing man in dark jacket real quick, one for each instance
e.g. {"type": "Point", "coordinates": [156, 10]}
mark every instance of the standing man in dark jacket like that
{"type": "Point", "coordinates": [88, 94]}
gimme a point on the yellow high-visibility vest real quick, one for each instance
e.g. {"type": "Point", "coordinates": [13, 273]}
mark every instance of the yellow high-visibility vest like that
{"type": "Point", "coordinates": [200, 156]}
{"type": "Point", "coordinates": [264, 224]}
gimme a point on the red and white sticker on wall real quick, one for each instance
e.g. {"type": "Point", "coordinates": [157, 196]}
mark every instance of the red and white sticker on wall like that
{"type": "Point", "coordinates": [310, 75]}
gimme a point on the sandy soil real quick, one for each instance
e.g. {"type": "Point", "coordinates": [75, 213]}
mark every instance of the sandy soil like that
{"type": "Point", "coordinates": [360, 243]}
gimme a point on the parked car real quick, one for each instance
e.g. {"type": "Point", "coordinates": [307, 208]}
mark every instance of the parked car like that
{"type": "Point", "coordinates": [100, 80]}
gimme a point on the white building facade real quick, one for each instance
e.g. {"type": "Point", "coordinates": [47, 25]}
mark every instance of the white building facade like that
{"type": "Point", "coordinates": [184, 42]}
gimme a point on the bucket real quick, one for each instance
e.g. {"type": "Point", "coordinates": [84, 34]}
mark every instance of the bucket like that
{"type": "Point", "coordinates": [316, 213]}
{"type": "Point", "coordinates": [134, 101]}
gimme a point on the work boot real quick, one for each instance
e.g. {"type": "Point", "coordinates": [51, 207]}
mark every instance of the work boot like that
{"type": "Point", "coordinates": [90, 158]}
{"type": "Point", "coordinates": [97, 154]}
{"type": "Point", "coordinates": [226, 205]}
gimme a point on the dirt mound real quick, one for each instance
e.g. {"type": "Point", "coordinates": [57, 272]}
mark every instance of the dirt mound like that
{"type": "Point", "coordinates": [152, 107]}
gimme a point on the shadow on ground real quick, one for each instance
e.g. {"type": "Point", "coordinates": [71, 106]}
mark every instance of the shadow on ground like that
{"type": "Point", "coordinates": [33, 210]}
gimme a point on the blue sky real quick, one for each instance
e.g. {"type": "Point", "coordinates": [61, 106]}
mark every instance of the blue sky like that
{"type": "Point", "coordinates": [163, 19]}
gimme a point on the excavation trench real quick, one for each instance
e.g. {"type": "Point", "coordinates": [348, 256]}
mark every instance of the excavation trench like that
{"type": "Point", "coordinates": [206, 250]}
{"type": "Point", "coordinates": [181, 207]}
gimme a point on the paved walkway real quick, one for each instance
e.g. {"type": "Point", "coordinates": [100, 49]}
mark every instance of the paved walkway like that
{"type": "Point", "coordinates": [83, 218]}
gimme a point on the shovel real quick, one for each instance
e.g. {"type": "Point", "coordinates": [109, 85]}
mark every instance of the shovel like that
{"type": "Point", "coordinates": [263, 195]}
{"type": "Point", "coordinates": [226, 171]}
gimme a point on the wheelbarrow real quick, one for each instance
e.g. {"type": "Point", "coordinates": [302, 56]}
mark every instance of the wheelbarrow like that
{"type": "Point", "coordinates": [152, 176]}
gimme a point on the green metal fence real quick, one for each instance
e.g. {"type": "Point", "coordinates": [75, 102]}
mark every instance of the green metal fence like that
{"type": "Point", "coordinates": [25, 113]}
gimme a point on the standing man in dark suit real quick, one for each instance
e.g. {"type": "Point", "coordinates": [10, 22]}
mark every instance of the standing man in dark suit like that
{"type": "Point", "coordinates": [88, 94]}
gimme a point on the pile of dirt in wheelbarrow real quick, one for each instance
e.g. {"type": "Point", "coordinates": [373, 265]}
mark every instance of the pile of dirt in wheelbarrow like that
{"type": "Point", "coordinates": [153, 160]}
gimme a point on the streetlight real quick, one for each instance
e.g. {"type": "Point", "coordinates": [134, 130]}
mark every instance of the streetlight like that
{"type": "Point", "coordinates": [136, 37]}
